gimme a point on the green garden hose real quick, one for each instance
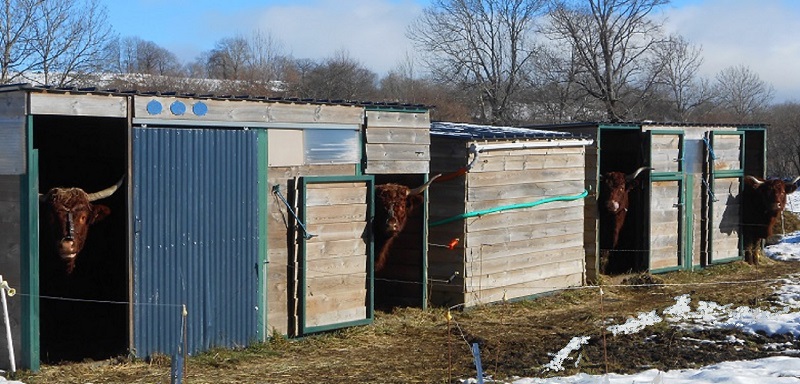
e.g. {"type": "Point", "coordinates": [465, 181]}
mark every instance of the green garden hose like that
{"type": "Point", "coordinates": [510, 207]}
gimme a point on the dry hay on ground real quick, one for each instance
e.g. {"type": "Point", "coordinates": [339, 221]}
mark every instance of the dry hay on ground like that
{"type": "Point", "coordinates": [516, 339]}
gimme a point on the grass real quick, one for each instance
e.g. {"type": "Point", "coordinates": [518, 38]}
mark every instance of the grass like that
{"type": "Point", "coordinates": [412, 345]}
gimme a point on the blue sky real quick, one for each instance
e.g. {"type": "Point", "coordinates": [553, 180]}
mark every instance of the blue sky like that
{"type": "Point", "coordinates": [760, 34]}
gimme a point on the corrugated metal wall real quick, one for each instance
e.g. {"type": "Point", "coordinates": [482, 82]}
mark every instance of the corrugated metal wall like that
{"type": "Point", "coordinates": [196, 238]}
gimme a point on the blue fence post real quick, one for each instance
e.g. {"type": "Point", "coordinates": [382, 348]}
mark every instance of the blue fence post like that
{"type": "Point", "coordinates": [476, 354]}
{"type": "Point", "coordinates": [176, 369]}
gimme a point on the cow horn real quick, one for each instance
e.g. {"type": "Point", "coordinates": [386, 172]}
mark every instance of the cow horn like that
{"type": "Point", "coordinates": [636, 173]}
{"type": "Point", "coordinates": [106, 192]}
{"type": "Point", "coordinates": [423, 187]}
{"type": "Point", "coordinates": [756, 182]}
{"type": "Point", "coordinates": [795, 180]}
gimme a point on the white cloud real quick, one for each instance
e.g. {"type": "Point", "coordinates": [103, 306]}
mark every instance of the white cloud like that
{"type": "Point", "coordinates": [371, 31]}
{"type": "Point", "coordinates": [758, 34]}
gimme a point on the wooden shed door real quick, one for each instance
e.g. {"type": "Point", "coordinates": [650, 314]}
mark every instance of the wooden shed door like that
{"type": "Point", "coordinates": [725, 175]}
{"type": "Point", "coordinates": [336, 278]}
{"type": "Point", "coordinates": [667, 202]}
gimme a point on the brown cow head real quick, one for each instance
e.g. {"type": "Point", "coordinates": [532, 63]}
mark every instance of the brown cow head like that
{"type": "Point", "coordinates": [613, 203]}
{"type": "Point", "coordinates": [771, 194]}
{"type": "Point", "coordinates": [68, 214]}
{"type": "Point", "coordinates": [393, 204]}
{"type": "Point", "coordinates": [615, 187]}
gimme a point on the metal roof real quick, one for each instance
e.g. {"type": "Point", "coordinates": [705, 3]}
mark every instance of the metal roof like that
{"type": "Point", "coordinates": [483, 132]}
{"type": "Point", "coordinates": [566, 126]}
{"type": "Point", "coordinates": [294, 100]}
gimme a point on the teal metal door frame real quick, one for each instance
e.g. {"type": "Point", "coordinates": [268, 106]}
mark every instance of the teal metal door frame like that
{"type": "Point", "coordinates": [678, 175]}
{"type": "Point", "coordinates": [302, 288]}
{"type": "Point", "coordinates": [29, 268]}
{"type": "Point", "coordinates": [725, 174]}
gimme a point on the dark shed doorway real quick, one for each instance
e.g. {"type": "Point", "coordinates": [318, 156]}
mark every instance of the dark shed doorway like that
{"type": "Point", "coordinates": [84, 314]}
{"type": "Point", "coordinates": [623, 150]}
{"type": "Point", "coordinates": [401, 282]}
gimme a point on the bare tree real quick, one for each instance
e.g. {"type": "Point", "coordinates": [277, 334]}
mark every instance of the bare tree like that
{"type": "Point", "coordinates": [404, 85]}
{"type": "Point", "coordinates": [229, 59]}
{"type": "Point", "coordinates": [296, 76]}
{"type": "Point", "coordinates": [483, 45]}
{"type": "Point", "coordinates": [783, 140]}
{"type": "Point", "coordinates": [555, 90]}
{"type": "Point", "coordinates": [267, 61]}
{"type": "Point", "coordinates": [613, 42]}
{"type": "Point", "coordinates": [68, 41]}
{"type": "Point", "coordinates": [15, 38]}
{"type": "Point", "coordinates": [340, 77]}
{"type": "Point", "coordinates": [742, 93]}
{"type": "Point", "coordinates": [400, 84]}
{"type": "Point", "coordinates": [136, 55]}
{"type": "Point", "coordinates": [686, 91]}
{"type": "Point", "coordinates": [253, 64]}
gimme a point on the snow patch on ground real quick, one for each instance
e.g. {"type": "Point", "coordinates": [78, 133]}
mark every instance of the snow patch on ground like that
{"type": "Point", "coordinates": [574, 344]}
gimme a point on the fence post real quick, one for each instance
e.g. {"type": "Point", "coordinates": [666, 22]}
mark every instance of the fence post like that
{"type": "Point", "coordinates": [3, 287]}
{"type": "Point", "coordinates": [476, 353]}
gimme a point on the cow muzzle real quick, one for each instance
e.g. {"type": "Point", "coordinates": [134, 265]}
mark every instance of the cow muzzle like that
{"type": "Point", "coordinates": [67, 249]}
{"type": "Point", "coordinates": [613, 206]}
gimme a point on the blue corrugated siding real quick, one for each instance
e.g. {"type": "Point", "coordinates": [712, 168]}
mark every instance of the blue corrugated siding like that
{"type": "Point", "coordinates": [196, 238]}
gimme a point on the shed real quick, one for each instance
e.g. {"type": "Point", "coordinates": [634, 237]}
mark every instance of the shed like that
{"type": "Point", "coordinates": [686, 215]}
{"type": "Point", "coordinates": [506, 221]}
{"type": "Point", "coordinates": [252, 214]}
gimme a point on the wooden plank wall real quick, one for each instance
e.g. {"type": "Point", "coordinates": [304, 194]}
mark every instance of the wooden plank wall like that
{"type": "Point", "coordinates": [726, 208]}
{"type": "Point", "coordinates": [236, 111]}
{"type": "Point", "coordinates": [12, 134]}
{"type": "Point", "coordinates": [728, 152]}
{"type": "Point", "coordinates": [590, 240]}
{"type": "Point", "coordinates": [282, 245]}
{"type": "Point", "coordinates": [336, 258]}
{"type": "Point", "coordinates": [79, 104]}
{"type": "Point", "coordinates": [665, 153]}
{"type": "Point", "coordinates": [665, 214]}
{"type": "Point", "coordinates": [725, 222]}
{"type": "Point", "coordinates": [523, 252]}
{"type": "Point", "coordinates": [397, 142]}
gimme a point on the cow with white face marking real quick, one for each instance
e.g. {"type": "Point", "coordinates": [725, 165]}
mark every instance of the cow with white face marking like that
{"type": "Point", "coordinates": [613, 204]}
{"type": "Point", "coordinates": [68, 213]}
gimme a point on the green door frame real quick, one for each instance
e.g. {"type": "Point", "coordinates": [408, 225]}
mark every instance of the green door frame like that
{"type": "Point", "coordinates": [685, 200]}
{"type": "Point", "coordinates": [263, 234]}
{"type": "Point", "coordinates": [304, 181]}
{"type": "Point", "coordinates": [29, 268]}
{"type": "Point", "coordinates": [726, 174]}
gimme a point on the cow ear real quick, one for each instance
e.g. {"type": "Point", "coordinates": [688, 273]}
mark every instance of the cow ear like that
{"type": "Point", "coordinates": [789, 188]}
{"type": "Point", "coordinates": [99, 212]}
{"type": "Point", "coordinates": [414, 201]}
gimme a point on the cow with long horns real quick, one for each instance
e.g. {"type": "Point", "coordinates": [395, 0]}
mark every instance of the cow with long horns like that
{"type": "Point", "coordinates": [762, 202]}
{"type": "Point", "coordinates": [393, 204]}
{"type": "Point", "coordinates": [68, 213]}
{"type": "Point", "coordinates": [613, 203]}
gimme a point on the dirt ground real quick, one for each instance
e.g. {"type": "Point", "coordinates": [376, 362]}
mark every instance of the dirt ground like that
{"type": "Point", "coordinates": [516, 339]}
